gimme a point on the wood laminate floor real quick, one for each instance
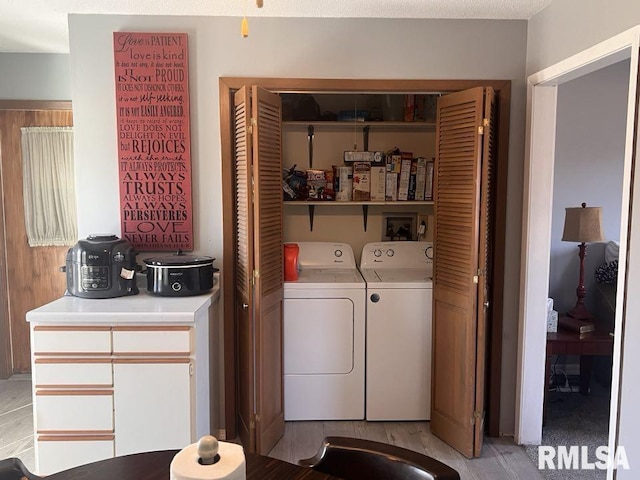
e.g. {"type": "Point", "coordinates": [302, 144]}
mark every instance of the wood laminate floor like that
{"type": "Point", "coordinates": [501, 458]}
{"type": "Point", "coordinates": [16, 420]}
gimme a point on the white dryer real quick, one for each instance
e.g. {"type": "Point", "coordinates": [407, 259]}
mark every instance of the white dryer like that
{"type": "Point", "coordinates": [399, 314]}
{"type": "Point", "coordinates": [324, 335]}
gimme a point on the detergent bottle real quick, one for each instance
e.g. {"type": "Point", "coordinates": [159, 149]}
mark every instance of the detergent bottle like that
{"type": "Point", "coordinates": [291, 251]}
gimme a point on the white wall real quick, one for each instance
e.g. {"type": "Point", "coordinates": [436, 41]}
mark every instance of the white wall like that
{"type": "Point", "coordinates": [278, 47]}
{"type": "Point", "coordinates": [567, 27]}
{"type": "Point", "coordinates": [35, 76]}
{"type": "Point", "coordinates": [588, 168]}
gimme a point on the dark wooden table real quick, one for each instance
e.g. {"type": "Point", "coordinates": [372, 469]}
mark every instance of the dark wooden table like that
{"type": "Point", "coordinates": [155, 466]}
{"type": "Point", "coordinates": [586, 345]}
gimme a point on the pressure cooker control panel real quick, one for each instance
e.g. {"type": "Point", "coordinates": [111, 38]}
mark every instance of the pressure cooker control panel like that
{"type": "Point", "coordinates": [94, 277]}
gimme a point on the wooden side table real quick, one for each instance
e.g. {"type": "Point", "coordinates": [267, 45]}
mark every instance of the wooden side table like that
{"type": "Point", "coordinates": [586, 345]}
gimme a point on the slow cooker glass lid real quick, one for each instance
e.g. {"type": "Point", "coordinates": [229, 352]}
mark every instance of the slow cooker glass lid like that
{"type": "Point", "coordinates": [178, 260]}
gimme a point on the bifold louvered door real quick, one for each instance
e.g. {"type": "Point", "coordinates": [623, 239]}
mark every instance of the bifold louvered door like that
{"type": "Point", "coordinates": [259, 267]}
{"type": "Point", "coordinates": [462, 200]}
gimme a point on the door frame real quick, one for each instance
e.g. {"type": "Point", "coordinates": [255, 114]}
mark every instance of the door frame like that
{"type": "Point", "coordinates": [227, 85]}
{"type": "Point", "coordinates": [6, 361]}
{"type": "Point", "coordinates": [537, 204]}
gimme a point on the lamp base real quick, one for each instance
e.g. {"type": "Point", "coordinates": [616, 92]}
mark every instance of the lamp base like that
{"type": "Point", "coordinates": [580, 312]}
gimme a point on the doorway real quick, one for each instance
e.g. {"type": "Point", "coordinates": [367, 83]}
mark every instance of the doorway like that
{"type": "Point", "coordinates": [30, 276]}
{"type": "Point", "coordinates": [542, 131]}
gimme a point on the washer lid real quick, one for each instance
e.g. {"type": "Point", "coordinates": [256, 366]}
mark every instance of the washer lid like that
{"type": "Point", "coordinates": [397, 278]}
{"type": "Point", "coordinates": [327, 278]}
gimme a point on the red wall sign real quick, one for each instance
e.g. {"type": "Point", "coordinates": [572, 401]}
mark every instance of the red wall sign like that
{"type": "Point", "coordinates": [154, 151]}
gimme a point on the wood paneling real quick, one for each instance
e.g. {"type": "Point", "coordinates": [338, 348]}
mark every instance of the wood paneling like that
{"type": "Point", "coordinates": [30, 275]}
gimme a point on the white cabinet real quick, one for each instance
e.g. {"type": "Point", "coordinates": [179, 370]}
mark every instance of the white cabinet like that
{"type": "Point", "coordinates": [164, 402]}
{"type": "Point", "coordinates": [130, 379]}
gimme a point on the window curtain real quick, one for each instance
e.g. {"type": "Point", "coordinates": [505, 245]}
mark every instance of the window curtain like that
{"type": "Point", "coordinates": [48, 186]}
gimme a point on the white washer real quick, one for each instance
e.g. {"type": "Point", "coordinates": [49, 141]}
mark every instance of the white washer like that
{"type": "Point", "coordinates": [324, 335]}
{"type": "Point", "coordinates": [399, 313]}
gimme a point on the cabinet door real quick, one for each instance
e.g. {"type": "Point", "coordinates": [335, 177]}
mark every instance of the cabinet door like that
{"type": "Point", "coordinates": [154, 404]}
{"type": "Point", "coordinates": [56, 453]}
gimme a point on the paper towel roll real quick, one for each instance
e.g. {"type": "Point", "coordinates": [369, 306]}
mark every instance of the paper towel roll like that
{"type": "Point", "coordinates": [231, 465]}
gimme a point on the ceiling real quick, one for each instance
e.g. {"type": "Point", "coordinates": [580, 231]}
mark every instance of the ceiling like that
{"type": "Point", "coordinates": [41, 25]}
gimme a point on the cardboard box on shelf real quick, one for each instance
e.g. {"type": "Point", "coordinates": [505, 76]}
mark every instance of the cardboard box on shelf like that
{"type": "Point", "coordinates": [391, 190]}
{"type": "Point", "coordinates": [394, 163]}
{"type": "Point", "coordinates": [403, 182]}
{"type": "Point", "coordinates": [378, 183]}
{"type": "Point", "coordinates": [421, 177]}
{"type": "Point", "coordinates": [361, 181]}
{"type": "Point", "coordinates": [343, 183]}
{"type": "Point", "coordinates": [428, 184]}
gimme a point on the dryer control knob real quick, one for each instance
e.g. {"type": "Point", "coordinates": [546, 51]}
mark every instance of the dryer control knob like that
{"type": "Point", "coordinates": [338, 253]}
{"type": "Point", "coordinates": [428, 252]}
{"type": "Point", "coordinates": [390, 253]}
{"type": "Point", "coordinates": [377, 252]}
{"type": "Point", "coordinates": [375, 298]}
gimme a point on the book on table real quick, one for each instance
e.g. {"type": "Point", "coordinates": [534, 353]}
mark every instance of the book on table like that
{"type": "Point", "coordinates": [576, 325]}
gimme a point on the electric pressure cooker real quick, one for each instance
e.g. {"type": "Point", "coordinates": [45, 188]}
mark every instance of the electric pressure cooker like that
{"type": "Point", "coordinates": [101, 266]}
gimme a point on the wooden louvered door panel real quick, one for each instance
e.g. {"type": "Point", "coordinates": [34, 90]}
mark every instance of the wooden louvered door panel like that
{"type": "Point", "coordinates": [244, 266]}
{"type": "Point", "coordinates": [268, 253]}
{"type": "Point", "coordinates": [458, 342]}
{"type": "Point", "coordinates": [259, 267]}
{"type": "Point", "coordinates": [485, 264]}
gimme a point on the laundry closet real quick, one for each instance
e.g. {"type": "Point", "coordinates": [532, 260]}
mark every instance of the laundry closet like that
{"type": "Point", "coordinates": [465, 222]}
{"type": "Point", "coordinates": [320, 129]}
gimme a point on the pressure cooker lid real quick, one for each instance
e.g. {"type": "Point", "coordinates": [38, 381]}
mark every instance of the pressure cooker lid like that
{"type": "Point", "coordinates": [178, 260]}
{"type": "Point", "coordinates": [102, 237]}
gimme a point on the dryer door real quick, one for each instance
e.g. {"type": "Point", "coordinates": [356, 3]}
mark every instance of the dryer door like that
{"type": "Point", "coordinates": [318, 336]}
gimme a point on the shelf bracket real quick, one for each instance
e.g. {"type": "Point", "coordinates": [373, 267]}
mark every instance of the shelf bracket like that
{"type": "Point", "coordinates": [365, 215]}
{"type": "Point", "coordinates": [312, 210]}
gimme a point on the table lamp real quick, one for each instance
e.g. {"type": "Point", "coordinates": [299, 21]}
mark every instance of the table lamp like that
{"type": "Point", "coordinates": [583, 225]}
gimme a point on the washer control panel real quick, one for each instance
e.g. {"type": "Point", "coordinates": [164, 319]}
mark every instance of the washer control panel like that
{"type": "Point", "coordinates": [397, 255]}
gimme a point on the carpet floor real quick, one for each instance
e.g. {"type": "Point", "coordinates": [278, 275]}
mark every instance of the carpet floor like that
{"type": "Point", "coordinates": [574, 419]}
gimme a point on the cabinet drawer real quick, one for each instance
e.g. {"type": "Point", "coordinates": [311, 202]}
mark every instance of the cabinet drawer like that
{"type": "Point", "coordinates": [61, 453]}
{"type": "Point", "coordinates": [74, 411]}
{"type": "Point", "coordinates": [152, 340]}
{"type": "Point", "coordinates": [72, 372]}
{"type": "Point", "coordinates": [71, 340]}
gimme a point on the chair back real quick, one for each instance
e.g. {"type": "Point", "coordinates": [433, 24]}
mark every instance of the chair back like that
{"type": "Point", "coordinates": [355, 459]}
{"type": "Point", "coordinates": [14, 469]}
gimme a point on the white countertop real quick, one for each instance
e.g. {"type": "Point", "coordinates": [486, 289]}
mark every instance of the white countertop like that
{"type": "Point", "coordinates": [141, 308]}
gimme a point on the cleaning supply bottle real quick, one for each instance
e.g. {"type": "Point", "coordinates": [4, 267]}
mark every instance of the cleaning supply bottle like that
{"type": "Point", "coordinates": [291, 251]}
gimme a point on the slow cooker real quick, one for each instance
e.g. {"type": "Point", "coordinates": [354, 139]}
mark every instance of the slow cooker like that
{"type": "Point", "coordinates": [179, 275]}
